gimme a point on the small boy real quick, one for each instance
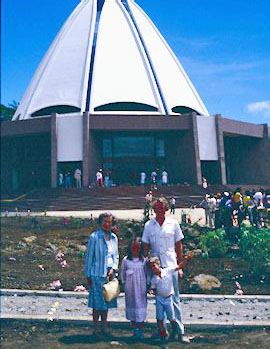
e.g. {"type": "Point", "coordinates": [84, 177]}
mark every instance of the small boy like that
{"type": "Point", "coordinates": [162, 286]}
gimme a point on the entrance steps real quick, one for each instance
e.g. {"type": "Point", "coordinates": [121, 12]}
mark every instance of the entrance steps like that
{"type": "Point", "coordinates": [113, 198]}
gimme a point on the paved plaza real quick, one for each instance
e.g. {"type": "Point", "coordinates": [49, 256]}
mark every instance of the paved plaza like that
{"type": "Point", "coordinates": [199, 310]}
{"type": "Point", "coordinates": [197, 214]}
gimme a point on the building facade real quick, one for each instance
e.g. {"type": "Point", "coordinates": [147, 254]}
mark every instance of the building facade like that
{"type": "Point", "coordinates": [111, 94]}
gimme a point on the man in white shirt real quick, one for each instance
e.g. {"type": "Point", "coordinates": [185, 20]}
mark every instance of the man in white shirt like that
{"type": "Point", "coordinates": [162, 238]}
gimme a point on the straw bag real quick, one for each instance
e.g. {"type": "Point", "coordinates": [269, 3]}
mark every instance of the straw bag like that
{"type": "Point", "coordinates": [111, 290]}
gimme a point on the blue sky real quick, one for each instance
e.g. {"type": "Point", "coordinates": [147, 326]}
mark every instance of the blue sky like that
{"type": "Point", "coordinates": [224, 46]}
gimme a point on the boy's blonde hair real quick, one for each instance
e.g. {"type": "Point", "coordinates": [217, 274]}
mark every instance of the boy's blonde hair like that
{"type": "Point", "coordinates": [153, 260]}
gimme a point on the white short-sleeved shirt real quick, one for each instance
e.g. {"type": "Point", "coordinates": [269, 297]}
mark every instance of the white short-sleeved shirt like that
{"type": "Point", "coordinates": [164, 284]}
{"type": "Point", "coordinates": [148, 198]}
{"type": "Point", "coordinates": [154, 175]}
{"type": "Point", "coordinates": [162, 240]}
{"type": "Point", "coordinates": [212, 203]}
{"type": "Point", "coordinates": [172, 201]}
{"type": "Point", "coordinates": [99, 175]}
{"type": "Point", "coordinates": [258, 197]}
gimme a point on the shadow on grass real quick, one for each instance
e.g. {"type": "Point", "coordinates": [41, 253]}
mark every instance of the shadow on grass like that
{"type": "Point", "coordinates": [90, 339]}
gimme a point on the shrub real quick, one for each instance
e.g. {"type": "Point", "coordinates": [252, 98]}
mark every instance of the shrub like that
{"type": "Point", "coordinates": [255, 248]}
{"type": "Point", "coordinates": [213, 243]}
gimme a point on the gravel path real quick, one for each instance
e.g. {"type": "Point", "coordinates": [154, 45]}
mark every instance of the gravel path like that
{"type": "Point", "coordinates": [204, 309]}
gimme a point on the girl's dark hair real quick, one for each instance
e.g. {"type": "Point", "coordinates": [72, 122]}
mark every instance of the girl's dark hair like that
{"type": "Point", "coordinates": [129, 253]}
{"type": "Point", "coordinates": [102, 216]}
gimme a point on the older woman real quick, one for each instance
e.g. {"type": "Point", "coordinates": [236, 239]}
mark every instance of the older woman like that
{"type": "Point", "coordinates": [101, 262]}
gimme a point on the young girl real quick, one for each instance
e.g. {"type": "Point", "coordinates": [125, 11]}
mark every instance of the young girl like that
{"type": "Point", "coordinates": [134, 276]}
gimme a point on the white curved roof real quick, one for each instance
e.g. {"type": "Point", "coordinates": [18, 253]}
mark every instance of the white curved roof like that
{"type": "Point", "coordinates": [109, 58]}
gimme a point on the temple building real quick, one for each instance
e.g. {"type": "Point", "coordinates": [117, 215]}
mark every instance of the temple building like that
{"type": "Point", "coordinates": [111, 94]}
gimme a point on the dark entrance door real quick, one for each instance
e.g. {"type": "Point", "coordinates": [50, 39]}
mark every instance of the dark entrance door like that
{"type": "Point", "coordinates": [126, 156]}
{"type": "Point", "coordinates": [128, 171]}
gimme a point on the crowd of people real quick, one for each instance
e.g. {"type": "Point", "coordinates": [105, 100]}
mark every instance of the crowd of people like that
{"type": "Point", "coordinates": [231, 208]}
{"type": "Point", "coordinates": [149, 267]}
{"type": "Point", "coordinates": [65, 179]}
{"type": "Point", "coordinates": [155, 178]}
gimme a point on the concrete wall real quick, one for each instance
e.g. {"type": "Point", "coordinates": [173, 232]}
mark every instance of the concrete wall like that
{"type": "Point", "coordinates": [247, 160]}
{"type": "Point", "coordinates": [181, 157]}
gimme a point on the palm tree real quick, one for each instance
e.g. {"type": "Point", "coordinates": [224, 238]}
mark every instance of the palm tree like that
{"type": "Point", "coordinates": [7, 112]}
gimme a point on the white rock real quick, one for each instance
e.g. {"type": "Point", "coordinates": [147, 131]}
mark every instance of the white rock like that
{"type": "Point", "coordinates": [205, 282]}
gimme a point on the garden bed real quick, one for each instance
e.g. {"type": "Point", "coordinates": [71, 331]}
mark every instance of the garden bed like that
{"type": "Point", "coordinates": [29, 248]}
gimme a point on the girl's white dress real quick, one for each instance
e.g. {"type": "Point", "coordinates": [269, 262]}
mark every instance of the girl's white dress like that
{"type": "Point", "coordinates": [134, 275]}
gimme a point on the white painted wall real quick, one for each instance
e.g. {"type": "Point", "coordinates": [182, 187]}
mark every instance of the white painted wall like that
{"type": "Point", "coordinates": [69, 137]}
{"type": "Point", "coordinates": [207, 138]}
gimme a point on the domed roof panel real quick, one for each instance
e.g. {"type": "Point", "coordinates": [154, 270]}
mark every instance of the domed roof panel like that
{"type": "Point", "coordinates": [174, 83]}
{"type": "Point", "coordinates": [121, 71]}
{"type": "Point", "coordinates": [60, 79]}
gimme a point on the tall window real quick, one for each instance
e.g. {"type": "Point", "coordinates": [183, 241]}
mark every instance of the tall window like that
{"type": "Point", "coordinates": [133, 147]}
{"type": "Point", "coordinates": [160, 148]}
{"type": "Point", "coordinates": [107, 148]}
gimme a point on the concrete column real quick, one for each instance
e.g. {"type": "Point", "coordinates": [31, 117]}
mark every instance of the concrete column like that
{"type": "Point", "coordinates": [220, 149]}
{"type": "Point", "coordinates": [53, 151]}
{"type": "Point", "coordinates": [86, 149]}
{"type": "Point", "coordinates": [266, 131]}
{"type": "Point", "coordinates": [197, 161]}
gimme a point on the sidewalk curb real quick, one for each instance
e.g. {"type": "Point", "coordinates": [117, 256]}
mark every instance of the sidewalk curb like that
{"type": "Point", "coordinates": [84, 295]}
{"type": "Point", "coordinates": [85, 320]}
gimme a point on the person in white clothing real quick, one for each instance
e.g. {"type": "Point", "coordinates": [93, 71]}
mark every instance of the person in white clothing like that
{"type": "Point", "coordinates": [143, 178]}
{"type": "Point", "coordinates": [172, 205]}
{"type": "Point", "coordinates": [162, 286]}
{"type": "Point", "coordinates": [258, 198]}
{"type": "Point", "coordinates": [99, 178]}
{"type": "Point", "coordinates": [162, 238]}
{"type": "Point", "coordinates": [61, 179]}
{"type": "Point", "coordinates": [164, 178]}
{"type": "Point", "coordinates": [212, 202]}
{"type": "Point", "coordinates": [78, 177]}
{"type": "Point", "coordinates": [204, 183]}
{"type": "Point", "coordinates": [154, 179]}
{"type": "Point", "coordinates": [148, 204]}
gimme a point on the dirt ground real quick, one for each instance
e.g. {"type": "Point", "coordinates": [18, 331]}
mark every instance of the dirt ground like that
{"type": "Point", "coordinates": [53, 335]}
{"type": "Point", "coordinates": [21, 258]}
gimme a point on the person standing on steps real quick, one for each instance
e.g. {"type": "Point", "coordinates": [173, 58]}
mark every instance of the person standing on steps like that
{"type": "Point", "coordinates": [99, 178]}
{"type": "Point", "coordinates": [78, 178]}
